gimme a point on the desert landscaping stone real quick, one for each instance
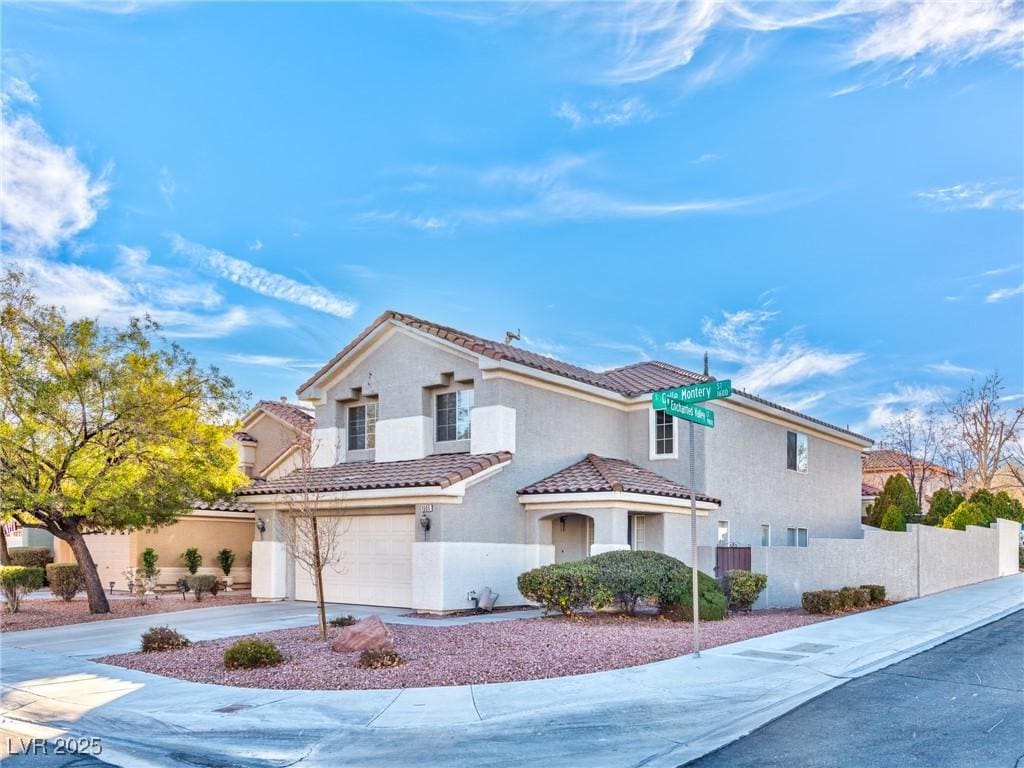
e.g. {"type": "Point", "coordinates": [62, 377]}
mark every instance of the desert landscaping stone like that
{"type": "Point", "coordinates": [492, 652]}
{"type": "Point", "coordinates": [367, 634]}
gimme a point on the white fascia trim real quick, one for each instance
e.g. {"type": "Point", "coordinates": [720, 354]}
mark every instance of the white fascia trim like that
{"type": "Point", "coordinates": [609, 498]}
{"type": "Point", "coordinates": [485, 474]}
{"type": "Point", "coordinates": [261, 414]}
{"type": "Point", "coordinates": [790, 418]}
{"type": "Point", "coordinates": [498, 368]}
{"type": "Point", "coordinates": [219, 514]}
{"type": "Point", "coordinates": [314, 392]}
{"type": "Point", "coordinates": [280, 459]}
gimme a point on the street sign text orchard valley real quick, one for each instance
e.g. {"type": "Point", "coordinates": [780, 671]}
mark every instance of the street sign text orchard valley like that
{"type": "Point", "coordinates": [695, 393]}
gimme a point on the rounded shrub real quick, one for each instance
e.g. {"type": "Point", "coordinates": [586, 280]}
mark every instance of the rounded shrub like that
{"type": "Point", "coordinates": [677, 604]}
{"type": "Point", "coordinates": [16, 581]}
{"type": "Point", "coordinates": [343, 621]}
{"type": "Point", "coordinates": [202, 584]}
{"type": "Point", "coordinates": [382, 658]}
{"type": "Point", "coordinates": [31, 557]}
{"type": "Point", "coordinates": [250, 654]}
{"type": "Point", "coordinates": [968, 513]}
{"type": "Point", "coordinates": [852, 598]}
{"type": "Point", "coordinates": [893, 520]}
{"type": "Point", "coordinates": [565, 587]}
{"type": "Point", "coordinates": [193, 560]}
{"type": "Point", "coordinates": [743, 588]}
{"type": "Point", "coordinates": [822, 601]}
{"type": "Point", "coordinates": [635, 576]}
{"type": "Point", "coordinates": [65, 579]}
{"type": "Point", "coordinates": [163, 639]}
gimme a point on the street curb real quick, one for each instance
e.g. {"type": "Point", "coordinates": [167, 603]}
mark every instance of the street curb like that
{"type": "Point", "coordinates": [744, 726]}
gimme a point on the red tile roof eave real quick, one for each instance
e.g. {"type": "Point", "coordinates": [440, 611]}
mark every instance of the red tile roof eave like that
{"type": "Point", "coordinates": [574, 492]}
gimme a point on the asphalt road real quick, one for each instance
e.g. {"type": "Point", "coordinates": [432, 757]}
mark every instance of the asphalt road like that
{"type": "Point", "coordinates": [959, 704]}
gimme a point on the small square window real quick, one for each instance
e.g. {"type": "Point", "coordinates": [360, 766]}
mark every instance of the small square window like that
{"type": "Point", "coordinates": [766, 535]}
{"type": "Point", "coordinates": [362, 426]}
{"type": "Point", "coordinates": [453, 415]}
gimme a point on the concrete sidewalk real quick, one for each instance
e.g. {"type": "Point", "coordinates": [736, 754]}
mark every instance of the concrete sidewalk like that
{"type": "Point", "coordinates": [660, 714]}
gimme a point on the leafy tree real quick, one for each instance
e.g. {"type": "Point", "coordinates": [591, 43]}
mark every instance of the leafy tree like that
{"type": "Point", "coordinates": [893, 520]}
{"type": "Point", "coordinates": [1007, 507]}
{"type": "Point", "coordinates": [968, 513]}
{"type": "Point", "coordinates": [896, 493]}
{"type": "Point", "coordinates": [104, 429]}
{"type": "Point", "coordinates": [944, 501]}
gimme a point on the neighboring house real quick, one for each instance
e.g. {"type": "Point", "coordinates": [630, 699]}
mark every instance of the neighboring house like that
{"type": "Point", "coordinates": [868, 494]}
{"type": "Point", "coordinates": [27, 537]}
{"type": "Point", "coordinates": [1010, 478]}
{"type": "Point", "coordinates": [454, 463]}
{"type": "Point", "coordinates": [272, 434]}
{"type": "Point", "coordinates": [880, 465]}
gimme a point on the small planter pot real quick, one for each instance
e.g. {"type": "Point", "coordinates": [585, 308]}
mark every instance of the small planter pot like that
{"type": "Point", "coordinates": [150, 586]}
{"type": "Point", "coordinates": [228, 581]}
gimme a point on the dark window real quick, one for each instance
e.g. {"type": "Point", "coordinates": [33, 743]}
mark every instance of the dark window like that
{"type": "Point", "coordinates": [664, 435]}
{"type": "Point", "coordinates": [362, 426]}
{"type": "Point", "coordinates": [453, 415]}
{"type": "Point", "coordinates": [796, 451]}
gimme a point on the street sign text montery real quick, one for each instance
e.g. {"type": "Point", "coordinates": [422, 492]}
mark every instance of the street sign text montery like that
{"type": "Point", "coordinates": [695, 393]}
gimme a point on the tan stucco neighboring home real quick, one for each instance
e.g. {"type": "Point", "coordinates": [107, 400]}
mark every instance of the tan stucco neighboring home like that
{"type": "Point", "coordinates": [879, 465]}
{"type": "Point", "coordinates": [1010, 478]}
{"type": "Point", "coordinates": [868, 494]}
{"type": "Point", "coordinates": [271, 437]}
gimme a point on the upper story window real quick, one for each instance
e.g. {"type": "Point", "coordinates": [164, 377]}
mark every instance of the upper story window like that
{"type": "Point", "coordinates": [664, 434]}
{"type": "Point", "coordinates": [723, 533]}
{"type": "Point", "coordinates": [796, 537]}
{"type": "Point", "coordinates": [362, 426]}
{"type": "Point", "coordinates": [452, 417]}
{"type": "Point", "coordinates": [796, 451]}
{"type": "Point", "coordinates": [766, 535]}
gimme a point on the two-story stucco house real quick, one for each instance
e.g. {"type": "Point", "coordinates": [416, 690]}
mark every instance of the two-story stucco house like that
{"type": "Point", "coordinates": [455, 463]}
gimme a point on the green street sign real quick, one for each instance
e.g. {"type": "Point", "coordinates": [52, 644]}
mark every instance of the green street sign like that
{"type": "Point", "coordinates": [695, 413]}
{"type": "Point", "coordinates": [695, 393]}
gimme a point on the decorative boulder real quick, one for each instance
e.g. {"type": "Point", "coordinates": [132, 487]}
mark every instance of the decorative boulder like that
{"type": "Point", "coordinates": [367, 634]}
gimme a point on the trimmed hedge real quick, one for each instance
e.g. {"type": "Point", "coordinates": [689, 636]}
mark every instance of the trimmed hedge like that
{"type": "Point", "coordinates": [343, 621]}
{"type": "Point", "coordinates": [743, 588]}
{"type": "Point", "coordinates": [31, 557]}
{"type": "Point", "coordinates": [678, 603]}
{"type": "Point", "coordinates": [876, 592]}
{"type": "Point", "coordinates": [16, 581]}
{"type": "Point", "coordinates": [840, 600]}
{"type": "Point", "coordinates": [632, 576]}
{"type": "Point", "coordinates": [163, 639]}
{"type": "Point", "coordinates": [65, 579]}
{"type": "Point", "coordinates": [249, 654]}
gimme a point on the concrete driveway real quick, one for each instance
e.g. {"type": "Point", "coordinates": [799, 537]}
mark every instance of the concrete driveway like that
{"type": "Point", "coordinates": [660, 714]}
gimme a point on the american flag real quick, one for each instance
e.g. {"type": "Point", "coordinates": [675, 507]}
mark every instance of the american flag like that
{"type": "Point", "coordinates": [11, 527]}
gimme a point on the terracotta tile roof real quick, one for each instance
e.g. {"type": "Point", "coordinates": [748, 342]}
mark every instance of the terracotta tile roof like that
{"type": "Point", "coordinates": [243, 436]}
{"type": "Point", "coordinates": [597, 474]}
{"type": "Point", "coordinates": [297, 416]}
{"type": "Point", "coordinates": [221, 506]}
{"type": "Point", "coordinates": [866, 489]}
{"type": "Point", "coordinates": [440, 471]}
{"type": "Point", "coordinates": [887, 459]}
{"type": "Point", "coordinates": [630, 381]}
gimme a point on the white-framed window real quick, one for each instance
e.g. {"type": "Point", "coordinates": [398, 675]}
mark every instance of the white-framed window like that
{"type": "Point", "coordinates": [723, 532]}
{"type": "Point", "coordinates": [663, 436]}
{"type": "Point", "coordinates": [452, 415]}
{"type": "Point", "coordinates": [637, 532]}
{"type": "Point", "coordinates": [362, 426]}
{"type": "Point", "coordinates": [796, 452]}
{"type": "Point", "coordinates": [796, 537]}
{"type": "Point", "coordinates": [766, 535]}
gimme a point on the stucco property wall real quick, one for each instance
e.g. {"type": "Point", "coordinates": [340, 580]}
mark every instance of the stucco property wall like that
{"type": "Point", "coordinates": [921, 561]}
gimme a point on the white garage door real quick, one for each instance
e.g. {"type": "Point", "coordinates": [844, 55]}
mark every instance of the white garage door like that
{"type": "Point", "coordinates": [375, 566]}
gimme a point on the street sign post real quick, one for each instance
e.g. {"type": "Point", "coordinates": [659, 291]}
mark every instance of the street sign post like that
{"type": "Point", "coordinates": [695, 393]}
{"type": "Point", "coordinates": [679, 402]}
{"type": "Point", "coordinates": [695, 413]}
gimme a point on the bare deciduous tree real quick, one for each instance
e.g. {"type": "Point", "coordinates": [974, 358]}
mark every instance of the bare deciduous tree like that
{"type": "Point", "coordinates": [984, 432]}
{"type": "Point", "coordinates": [919, 441]}
{"type": "Point", "coordinates": [312, 544]}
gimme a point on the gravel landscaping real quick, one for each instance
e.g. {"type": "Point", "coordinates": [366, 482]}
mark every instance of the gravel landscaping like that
{"type": "Point", "coordinates": [492, 652]}
{"type": "Point", "coordinates": [37, 614]}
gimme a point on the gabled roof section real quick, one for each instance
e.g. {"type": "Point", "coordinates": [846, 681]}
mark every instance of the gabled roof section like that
{"type": "Point", "coordinates": [598, 474]}
{"type": "Point", "coordinates": [439, 471]}
{"type": "Point", "coordinates": [290, 413]}
{"type": "Point", "coordinates": [629, 381]}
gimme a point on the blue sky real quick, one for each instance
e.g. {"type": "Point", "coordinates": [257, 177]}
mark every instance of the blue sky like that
{"type": "Point", "coordinates": [827, 197]}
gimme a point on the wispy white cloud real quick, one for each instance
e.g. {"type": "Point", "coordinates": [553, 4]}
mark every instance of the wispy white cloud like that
{"type": "Point", "coordinates": [902, 399]}
{"type": "Point", "coordinates": [1002, 270]}
{"type": "Point", "coordinates": [777, 366]}
{"type": "Point", "coordinates": [47, 196]}
{"type": "Point", "coordinates": [262, 281]}
{"type": "Point", "coordinates": [1002, 294]}
{"type": "Point", "coordinates": [847, 90]}
{"type": "Point", "coordinates": [255, 245]}
{"type": "Point", "coordinates": [273, 361]}
{"type": "Point", "coordinates": [707, 157]}
{"type": "Point", "coordinates": [947, 368]}
{"type": "Point", "coordinates": [554, 190]}
{"type": "Point", "coordinates": [167, 186]}
{"type": "Point", "coordinates": [975, 196]}
{"type": "Point", "coordinates": [17, 90]}
{"type": "Point", "coordinates": [610, 114]}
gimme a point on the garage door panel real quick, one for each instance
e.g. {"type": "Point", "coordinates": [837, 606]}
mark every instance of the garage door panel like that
{"type": "Point", "coordinates": [375, 567]}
